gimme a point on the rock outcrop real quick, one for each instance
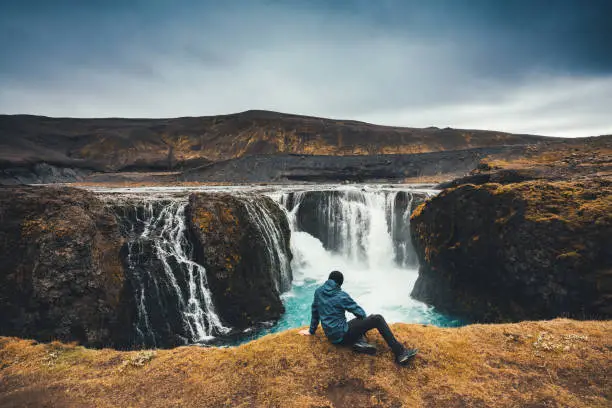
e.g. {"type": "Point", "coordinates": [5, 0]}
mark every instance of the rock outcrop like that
{"type": "Point", "coordinates": [60, 271]}
{"type": "Point", "coordinates": [498, 177]}
{"type": "Point", "coordinates": [243, 242]}
{"type": "Point", "coordinates": [530, 250]}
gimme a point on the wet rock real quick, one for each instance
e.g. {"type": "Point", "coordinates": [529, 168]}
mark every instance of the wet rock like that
{"type": "Point", "coordinates": [531, 250]}
{"type": "Point", "coordinates": [60, 271]}
{"type": "Point", "coordinates": [245, 273]}
{"type": "Point", "coordinates": [404, 204]}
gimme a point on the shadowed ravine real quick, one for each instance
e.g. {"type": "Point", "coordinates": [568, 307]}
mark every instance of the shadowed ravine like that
{"type": "Point", "coordinates": [361, 230]}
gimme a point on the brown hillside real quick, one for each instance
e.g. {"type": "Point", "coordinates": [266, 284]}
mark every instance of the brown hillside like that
{"type": "Point", "coordinates": [559, 363]}
{"type": "Point", "coordinates": [567, 159]}
{"type": "Point", "coordinates": [161, 144]}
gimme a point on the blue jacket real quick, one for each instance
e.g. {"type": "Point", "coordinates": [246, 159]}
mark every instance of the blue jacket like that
{"type": "Point", "coordinates": [329, 305]}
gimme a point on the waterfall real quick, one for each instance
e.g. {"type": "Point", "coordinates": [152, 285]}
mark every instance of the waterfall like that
{"type": "Point", "coordinates": [260, 214]}
{"type": "Point", "coordinates": [363, 232]}
{"type": "Point", "coordinates": [371, 227]}
{"type": "Point", "coordinates": [171, 296]}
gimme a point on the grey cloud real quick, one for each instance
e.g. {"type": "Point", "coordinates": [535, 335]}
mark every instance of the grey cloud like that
{"type": "Point", "coordinates": [304, 61]}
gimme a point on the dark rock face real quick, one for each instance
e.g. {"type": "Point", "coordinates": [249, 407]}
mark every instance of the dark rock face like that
{"type": "Point", "coordinates": [353, 168]}
{"type": "Point", "coordinates": [499, 176]}
{"type": "Point", "coordinates": [531, 250]}
{"type": "Point", "coordinates": [245, 275]}
{"type": "Point", "coordinates": [60, 271]}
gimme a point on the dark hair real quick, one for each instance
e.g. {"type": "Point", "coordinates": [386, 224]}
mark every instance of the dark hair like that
{"type": "Point", "coordinates": [337, 277]}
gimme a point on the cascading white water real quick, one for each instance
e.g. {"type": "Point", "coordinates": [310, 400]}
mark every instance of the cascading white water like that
{"type": "Point", "coordinates": [156, 236]}
{"type": "Point", "coordinates": [264, 221]}
{"type": "Point", "coordinates": [173, 304]}
{"type": "Point", "coordinates": [198, 310]}
{"type": "Point", "coordinates": [404, 252]}
{"type": "Point", "coordinates": [363, 226]}
{"type": "Point", "coordinates": [363, 232]}
{"type": "Point", "coordinates": [367, 236]}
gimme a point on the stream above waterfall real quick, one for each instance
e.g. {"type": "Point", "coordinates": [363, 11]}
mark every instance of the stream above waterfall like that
{"type": "Point", "coordinates": [361, 230]}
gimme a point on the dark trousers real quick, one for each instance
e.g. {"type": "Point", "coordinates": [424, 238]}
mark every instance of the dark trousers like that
{"type": "Point", "coordinates": [358, 327]}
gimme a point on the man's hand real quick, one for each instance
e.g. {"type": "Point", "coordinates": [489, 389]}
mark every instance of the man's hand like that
{"type": "Point", "coordinates": [305, 332]}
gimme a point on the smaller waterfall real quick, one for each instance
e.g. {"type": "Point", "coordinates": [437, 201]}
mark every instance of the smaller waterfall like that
{"type": "Point", "coordinates": [399, 208]}
{"type": "Point", "coordinates": [173, 303]}
{"type": "Point", "coordinates": [280, 260]}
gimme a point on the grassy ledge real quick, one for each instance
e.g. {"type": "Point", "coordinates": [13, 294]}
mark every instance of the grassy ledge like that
{"type": "Point", "coordinates": [558, 363]}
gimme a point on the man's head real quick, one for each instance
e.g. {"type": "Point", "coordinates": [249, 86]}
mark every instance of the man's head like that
{"type": "Point", "coordinates": [337, 277]}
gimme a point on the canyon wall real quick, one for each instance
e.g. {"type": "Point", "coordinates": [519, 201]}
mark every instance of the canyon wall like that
{"type": "Point", "coordinates": [521, 251]}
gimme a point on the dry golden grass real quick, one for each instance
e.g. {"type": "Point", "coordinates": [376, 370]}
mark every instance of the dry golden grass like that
{"type": "Point", "coordinates": [573, 202]}
{"type": "Point", "coordinates": [559, 363]}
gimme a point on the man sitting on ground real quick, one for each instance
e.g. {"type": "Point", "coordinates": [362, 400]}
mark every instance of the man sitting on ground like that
{"type": "Point", "coordinates": [329, 306]}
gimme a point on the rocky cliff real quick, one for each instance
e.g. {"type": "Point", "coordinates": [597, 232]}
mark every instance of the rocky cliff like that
{"type": "Point", "coordinates": [530, 250]}
{"type": "Point", "coordinates": [134, 272]}
{"type": "Point", "coordinates": [559, 363]}
{"type": "Point", "coordinates": [356, 168]}
{"type": "Point", "coordinates": [60, 271]}
{"type": "Point", "coordinates": [243, 242]}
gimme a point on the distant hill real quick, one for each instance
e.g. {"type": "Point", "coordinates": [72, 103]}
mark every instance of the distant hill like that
{"type": "Point", "coordinates": [115, 144]}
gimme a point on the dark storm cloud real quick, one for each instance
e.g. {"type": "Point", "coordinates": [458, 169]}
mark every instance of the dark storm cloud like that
{"type": "Point", "coordinates": [532, 66]}
{"type": "Point", "coordinates": [562, 34]}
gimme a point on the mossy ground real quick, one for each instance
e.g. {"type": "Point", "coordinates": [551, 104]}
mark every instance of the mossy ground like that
{"type": "Point", "coordinates": [559, 363]}
{"type": "Point", "coordinates": [574, 203]}
{"type": "Point", "coordinates": [568, 159]}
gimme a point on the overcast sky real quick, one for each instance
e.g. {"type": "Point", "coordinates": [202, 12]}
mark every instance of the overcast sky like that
{"type": "Point", "coordinates": [533, 66]}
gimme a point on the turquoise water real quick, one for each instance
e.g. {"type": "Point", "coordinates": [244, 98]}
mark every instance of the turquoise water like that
{"type": "Point", "coordinates": [372, 277]}
{"type": "Point", "coordinates": [297, 313]}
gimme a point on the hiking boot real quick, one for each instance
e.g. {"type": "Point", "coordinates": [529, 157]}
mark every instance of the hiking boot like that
{"type": "Point", "coordinates": [405, 356]}
{"type": "Point", "coordinates": [362, 346]}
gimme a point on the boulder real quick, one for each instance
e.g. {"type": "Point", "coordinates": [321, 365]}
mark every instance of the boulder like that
{"type": "Point", "coordinates": [61, 275]}
{"type": "Point", "coordinates": [530, 250]}
{"type": "Point", "coordinates": [246, 274]}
